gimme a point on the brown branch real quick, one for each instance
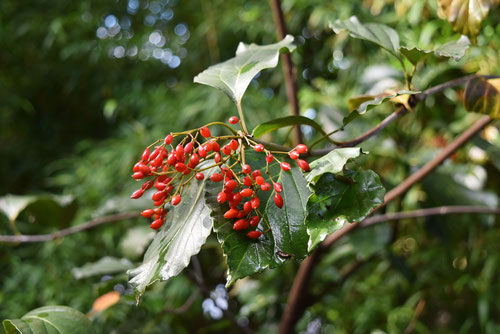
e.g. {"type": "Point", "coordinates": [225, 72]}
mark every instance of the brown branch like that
{"type": "Point", "coordinates": [289, 71]}
{"type": "Point", "coordinates": [396, 114]}
{"type": "Point", "coordinates": [302, 278]}
{"type": "Point", "coordinates": [15, 239]}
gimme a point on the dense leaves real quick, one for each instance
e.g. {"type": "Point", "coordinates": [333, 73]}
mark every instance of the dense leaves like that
{"type": "Point", "coordinates": [50, 319]}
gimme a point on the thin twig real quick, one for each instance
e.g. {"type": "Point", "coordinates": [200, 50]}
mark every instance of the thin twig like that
{"type": "Point", "coordinates": [289, 71]}
{"type": "Point", "coordinates": [15, 239]}
{"type": "Point", "coordinates": [303, 276]}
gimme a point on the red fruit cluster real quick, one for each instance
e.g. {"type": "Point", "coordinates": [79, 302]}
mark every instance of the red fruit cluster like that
{"type": "Point", "coordinates": [170, 168]}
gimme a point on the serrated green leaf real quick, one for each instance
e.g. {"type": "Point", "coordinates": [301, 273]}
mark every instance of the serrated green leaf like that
{"type": "Point", "coordinates": [333, 162]}
{"type": "Point", "coordinates": [50, 320]}
{"type": "Point", "coordinates": [483, 95]}
{"type": "Point", "coordinates": [336, 201]}
{"type": "Point", "coordinates": [234, 75]}
{"type": "Point", "coordinates": [379, 34]}
{"type": "Point", "coordinates": [455, 50]}
{"type": "Point", "coordinates": [465, 16]}
{"type": "Point", "coordinates": [278, 123]}
{"type": "Point", "coordinates": [287, 233]}
{"type": "Point", "coordinates": [361, 104]}
{"type": "Point", "coordinates": [184, 232]}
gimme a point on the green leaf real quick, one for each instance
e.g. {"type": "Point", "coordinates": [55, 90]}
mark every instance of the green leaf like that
{"type": "Point", "coordinates": [13, 205]}
{"type": "Point", "coordinates": [50, 320]}
{"type": "Point", "coordinates": [234, 75]}
{"type": "Point", "coordinates": [483, 95]}
{"type": "Point", "coordinates": [455, 50]}
{"type": "Point", "coordinates": [333, 162]}
{"type": "Point", "coordinates": [105, 265]}
{"type": "Point", "coordinates": [287, 235]}
{"type": "Point", "coordinates": [278, 123]}
{"type": "Point", "coordinates": [361, 104]}
{"type": "Point", "coordinates": [184, 232]}
{"type": "Point", "coordinates": [465, 16]}
{"type": "Point", "coordinates": [379, 34]}
{"type": "Point", "coordinates": [337, 200]}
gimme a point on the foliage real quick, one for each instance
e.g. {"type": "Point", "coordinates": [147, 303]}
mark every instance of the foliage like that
{"type": "Point", "coordinates": [87, 85]}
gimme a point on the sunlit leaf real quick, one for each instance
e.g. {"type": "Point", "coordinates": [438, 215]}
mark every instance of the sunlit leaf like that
{"type": "Point", "coordinates": [278, 123]}
{"type": "Point", "coordinates": [465, 16]}
{"type": "Point", "coordinates": [50, 320]}
{"type": "Point", "coordinates": [184, 232]}
{"type": "Point", "coordinates": [337, 200]}
{"type": "Point", "coordinates": [234, 75]}
{"type": "Point", "coordinates": [455, 50]}
{"type": "Point", "coordinates": [379, 34]}
{"type": "Point", "coordinates": [483, 95]}
{"type": "Point", "coordinates": [287, 234]}
{"type": "Point", "coordinates": [333, 162]}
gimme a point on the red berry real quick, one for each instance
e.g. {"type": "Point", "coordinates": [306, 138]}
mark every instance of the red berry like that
{"type": "Point", "coordinates": [217, 158]}
{"type": "Point", "coordinates": [278, 200]}
{"type": "Point", "coordinates": [231, 213]}
{"type": "Point", "coordinates": [265, 187]}
{"type": "Point", "coordinates": [157, 224]}
{"type": "Point", "coordinates": [216, 177]}
{"type": "Point", "coordinates": [234, 144]}
{"type": "Point", "coordinates": [221, 197]}
{"type": "Point", "coordinates": [202, 152]}
{"type": "Point", "coordinates": [158, 161]}
{"type": "Point", "coordinates": [226, 150]}
{"type": "Point", "coordinates": [179, 151]}
{"type": "Point", "coordinates": [285, 166]}
{"type": "Point", "coordinates": [247, 192]}
{"type": "Point", "coordinates": [278, 187]}
{"type": "Point", "coordinates": [215, 147]}
{"type": "Point", "coordinates": [199, 176]}
{"type": "Point", "coordinates": [246, 168]}
{"type": "Point", "coordinates": [205, 132]}
{"type": "Point", "coordinates": [159, 195]}
{"type": "Point", "coordinates": [137, 194]}
{"type": "Point", "coordinates": [188, 148]}
{"type": "Point", "coordinates": [138, 175]}
{"type": "Point", "coordinates": [147, 185]}
{"type": "Point", "coordinates": [269, 158]}
{"type": "Point", "coordinates": [259, 147]}
{"type": "Point", "coordinates": [294, 155]}
{"type": "Point", "coordinates": [301, 148]}
{"type": "Point", "coordinates": [240, 224]}
{"type": "Point", "coordinates": [158, 203]}
{"type": "Point", "coordinates": [254, 221]}
{"type": "Point", "coordinates": [256, 173]}
{"type": "Point", "coordinates": [144, 168]}
{"type": "Point", "coordinates": [155, 153]}
{"type": "Point", "coordinates": [259, 180]}
{"type": "Point", "coordinates": [176, 200]}
{"type": "Point", "coordinates": [304, 165]}
{"type": "Point", "coordinates": [242, 214]}
{"type": "Point", "coordinates": [168, 139]}
{"type": "Point", "coordinates": [160, 185]}
{"type": "Point", "coordinates": [208, 146]}
{"type": "Point", "coordinates": [254, 234]}
{"type": "Point", "coordinates": [247, 181]}
{"type": "Point", "coordinates": [172, 159]}
{"type": "Point", "coordinates": [194, 160]}
{"type": "Point", "coordinates": [237, 198]}
{"type": "Point", "coordinates": [233, 120]}
{"type": "Point", "coordinates": [230, 185]}
{"type": "Point", "coordinates": [180, 167]}
{"type": "Point", "coordinates": [255, 203]}
{"type": "Point", "coordinates": [145, 155]}
{"type": "Point", "coordinates": [247, 206]}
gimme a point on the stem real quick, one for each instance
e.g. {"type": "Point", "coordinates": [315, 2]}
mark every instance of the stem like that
{"type": "Point", "coordinates": [288, 69]}
{"type": "Point", "coordinates": [15, 239]}
{"type": "Point", "coordinates": [242, 118]}
{"type": "Point", "coordinates": [233, 131]}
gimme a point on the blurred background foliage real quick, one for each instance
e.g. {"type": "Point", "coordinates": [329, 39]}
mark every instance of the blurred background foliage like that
{"type": "Point", "coordinates": [86, 85]}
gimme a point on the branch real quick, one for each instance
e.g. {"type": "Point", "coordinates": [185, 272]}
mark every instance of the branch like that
{"type": "Point", "coordinates": [396, 114]}
{"type": "Point", "coordinates": [288, 69]}
{"type": "Point", "coordinates": [292, 312]}
{"type": "Point", "coordinates": [15, 239]}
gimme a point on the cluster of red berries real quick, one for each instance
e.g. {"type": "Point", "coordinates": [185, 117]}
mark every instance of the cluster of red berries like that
{"type": "Point", "coordinates": [173, 168]}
